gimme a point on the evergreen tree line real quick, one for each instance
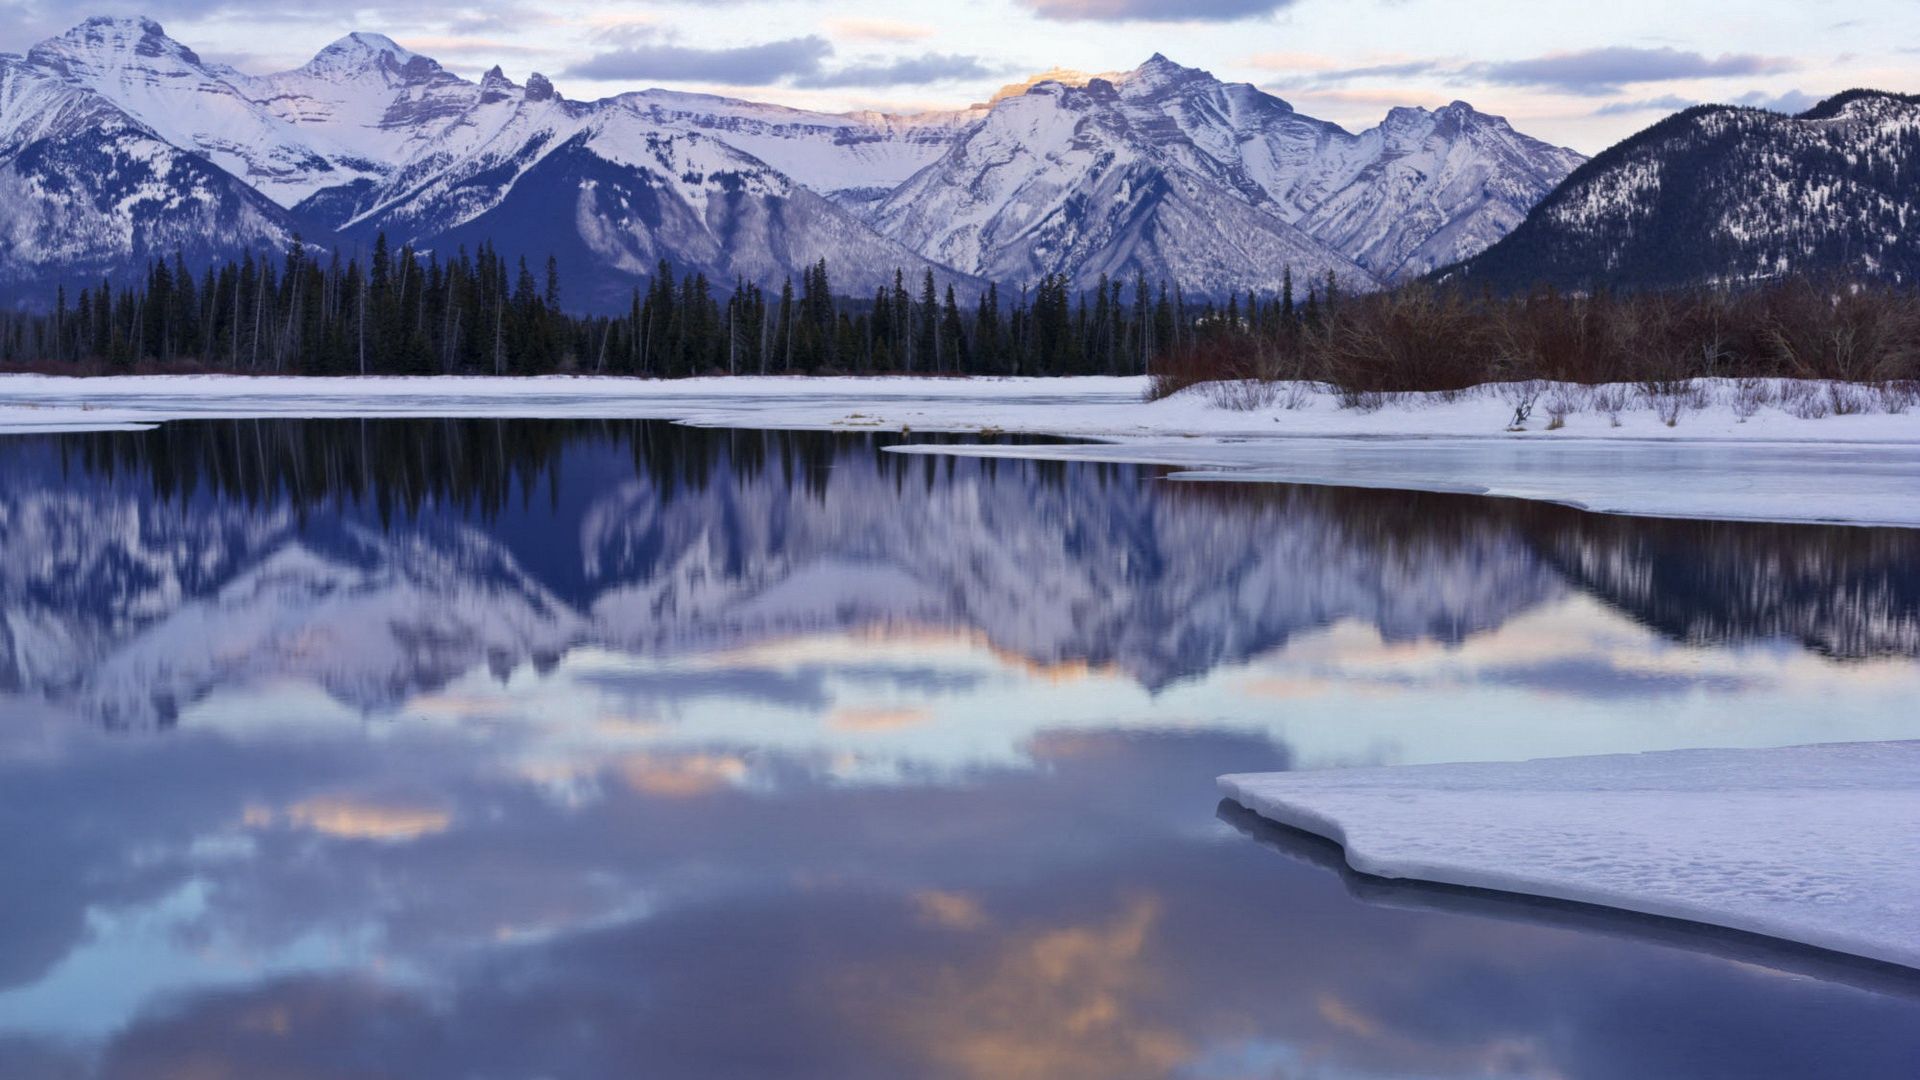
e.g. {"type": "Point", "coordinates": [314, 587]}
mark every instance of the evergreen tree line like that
{"type": "Point", "coordinates": [404, 312]}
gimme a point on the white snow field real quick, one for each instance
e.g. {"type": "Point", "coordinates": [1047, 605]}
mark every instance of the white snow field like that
{"type": "Point", "coordinates": [1813, 844]}
{"type": "Point", "coordinates": [1780, 464]}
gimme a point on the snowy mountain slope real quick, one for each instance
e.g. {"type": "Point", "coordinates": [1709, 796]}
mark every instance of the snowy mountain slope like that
{"type": "Point", "coordinates": [86, 189]}
{"type": "Point", "coordinates": [1719, 193]}
{"type": "Point", "coordinates": [1061, 180]}
{"type": "Point", "coordinates": [1434, 187]}
{"type": "Point", "coordinates": [374, 99]}
{"type": "Point", "coordinates": [1421, 186]}
{"type": "Point", "coordinates": [610, 195]}
{"type": "Point", "coordinates": [195, 106]}
{"type": "Point", "coordinates": [839, 155]}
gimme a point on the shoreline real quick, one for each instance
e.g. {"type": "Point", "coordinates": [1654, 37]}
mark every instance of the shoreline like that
{"type": "Point", "coordinates": [1861, 468]}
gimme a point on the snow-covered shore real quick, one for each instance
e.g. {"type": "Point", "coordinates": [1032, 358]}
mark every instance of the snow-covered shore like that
{"type": "Point", "coordinates": [1775, 451]}
{"type": "Point", "coordinates": [1814, 844]}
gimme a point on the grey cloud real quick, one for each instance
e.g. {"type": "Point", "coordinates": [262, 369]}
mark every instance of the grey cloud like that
{"type": "Point", "coordinates": [745, 65]}
{"type": "Point", "coordinates": [796, 61]}
{"type": "Point", "coordinates": [926, 68]}
{"type": "Point", "coordinates": [1605, 71]}
{"type": "Point", "coordinates": [1592, 72]}
{"type": "Point", "coordinates": [1152, 10]}
{"type": "Point", "coordinates": [1663, 103]}
{"type": "Point", "coordinates": [1792, 101]}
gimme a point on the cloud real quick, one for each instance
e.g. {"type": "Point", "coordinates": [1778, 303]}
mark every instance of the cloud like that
{"type": "Point", "coordinates": [1792, 101]}
{"type": "Point", "coordinates": [1607, 70]}
{"type": "Point", "coordinates": [926, 68]}
{"type": "Point", "coordinates": [798, 62]}
{"type": "Point", "coordinates": [457, 45]}
{"type": "Point", "coordinates": [1663, 103]}
{"type": "Point", "coordinates": [744, 65]}
{"type": "Point", "coordinates": [1152, 10]}
{"type": "Point", "coordinates": [879, 29]}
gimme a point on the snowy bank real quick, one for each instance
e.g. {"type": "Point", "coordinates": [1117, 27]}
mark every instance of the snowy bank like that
{"type": "Point", "coordinates": [1812, 844]}
{"type": "Point", "coordinates": [1776, 452]}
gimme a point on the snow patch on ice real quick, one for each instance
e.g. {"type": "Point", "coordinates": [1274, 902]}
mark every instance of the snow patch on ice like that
{"type": "Point", "coordinates": [1813, 844]}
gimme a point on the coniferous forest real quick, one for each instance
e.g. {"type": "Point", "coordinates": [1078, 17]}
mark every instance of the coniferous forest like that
{"type": "Point", "coordinates": [476, 313]}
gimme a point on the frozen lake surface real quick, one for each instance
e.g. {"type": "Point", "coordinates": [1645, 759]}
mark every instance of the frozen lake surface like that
{"type": "Point", "coordinates": [1860, 468]}
{"type": "Point", "coordinates": [587, 748]}
{"type": "Point", "coordinates": [1814, 844]}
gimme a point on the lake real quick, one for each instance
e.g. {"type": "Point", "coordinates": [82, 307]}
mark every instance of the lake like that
{"type": "Point", "coordinates": [481, 748]}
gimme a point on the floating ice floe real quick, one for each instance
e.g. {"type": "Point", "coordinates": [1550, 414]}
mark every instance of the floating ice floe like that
{"type": "Point", "coordinates": [1813, 844]}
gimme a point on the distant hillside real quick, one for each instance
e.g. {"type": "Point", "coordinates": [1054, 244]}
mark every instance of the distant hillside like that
{"type": "Point", "coordinates": [1725, 194]}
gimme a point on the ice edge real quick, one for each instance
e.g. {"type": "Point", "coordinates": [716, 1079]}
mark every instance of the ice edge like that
{"type": "Point", "coordinates": [1282, 810]}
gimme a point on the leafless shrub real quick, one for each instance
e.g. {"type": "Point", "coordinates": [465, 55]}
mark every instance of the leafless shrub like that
{"type": "Point", "coordinates": [1242, 395]}
{"type": "Point", "coordinates": [1297, 394]}
{"type": "Point", "coordinates": [1563, 401]}
{"type": "Point", "coordinates": [1749, 396]}
{"type": "Point", "coordinates": [1522, 396]}
{"type": "Point", "coordinates": [1610, 400]}
{"type": "Point", "coordinates": [1898, 395]}
{"type": "Point", "coordinates": [1803, 400]}
{"type": "Point", "coordinates": [1848, 399]}
{"type": "Point", "coordinates": [1671, 398]}
{"type": "Point", "coordinates": [1365, 401]}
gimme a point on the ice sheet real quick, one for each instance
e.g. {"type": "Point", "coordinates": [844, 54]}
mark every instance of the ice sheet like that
{"type": "Point", "coordinates": [1813, 844]}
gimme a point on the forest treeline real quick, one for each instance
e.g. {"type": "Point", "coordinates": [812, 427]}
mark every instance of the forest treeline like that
{"type": "Point", "coordinates": [404, 312]}
{"type": "Point", "coordinates": [476, 313]}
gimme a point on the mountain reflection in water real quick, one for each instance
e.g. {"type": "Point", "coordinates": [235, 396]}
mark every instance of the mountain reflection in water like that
{"type": "Point", "coordinates": [575, 749]}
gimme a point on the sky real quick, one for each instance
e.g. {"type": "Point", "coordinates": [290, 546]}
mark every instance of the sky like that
{"type": "Point", "coordinates": [1581, 75]}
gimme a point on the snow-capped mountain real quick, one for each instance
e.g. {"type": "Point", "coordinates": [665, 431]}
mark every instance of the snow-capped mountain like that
{"type": "Point", "coordinates": [1063, 179]}
{"type": "Point", "coordinates": [1156, 170]}
{"type": "Point", "coordinates": [1163, 170]}
{"type": "Point", "coordinates": [1719, 193]}
{"type": "Point", "coordinates": [604, 189]}
{"type": "Point", "coordinates": [87, 189]}
{"type": "Point", "coordinates": [203, 108]}
{"type": "Point", "coordinates": [854, 159]}
{"type": "Point", "coordinates": [369, 137]}
{"type": "Point", "coordinates": [1427, 188]}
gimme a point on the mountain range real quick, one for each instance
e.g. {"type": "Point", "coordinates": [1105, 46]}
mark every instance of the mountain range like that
{"type": "Point", "coordinates": [119, 144]}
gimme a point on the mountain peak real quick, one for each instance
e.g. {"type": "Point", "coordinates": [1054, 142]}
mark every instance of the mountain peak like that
{"type": "Point", "coordinates": [1063, 76]}
{"type": "Point", "coordinates": [1160, 73]}
{"type": "Point", "coordinates": [106, 43]}
{"type": "Point", "coordinates": [1158, 64]}
{"type": "Point", "coordinates": [361, 52]}
{"type": "Point", "coordinates": [138, 24]}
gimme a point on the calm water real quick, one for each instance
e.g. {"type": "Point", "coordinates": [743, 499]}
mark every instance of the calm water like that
{"type": "Point", "coordinates": [526, 749]}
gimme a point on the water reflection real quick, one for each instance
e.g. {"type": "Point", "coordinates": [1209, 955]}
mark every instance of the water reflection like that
{"type": "Point", "coordinates": [384, 559]}
{"type": "Point", "coordinates": [508, 749]}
